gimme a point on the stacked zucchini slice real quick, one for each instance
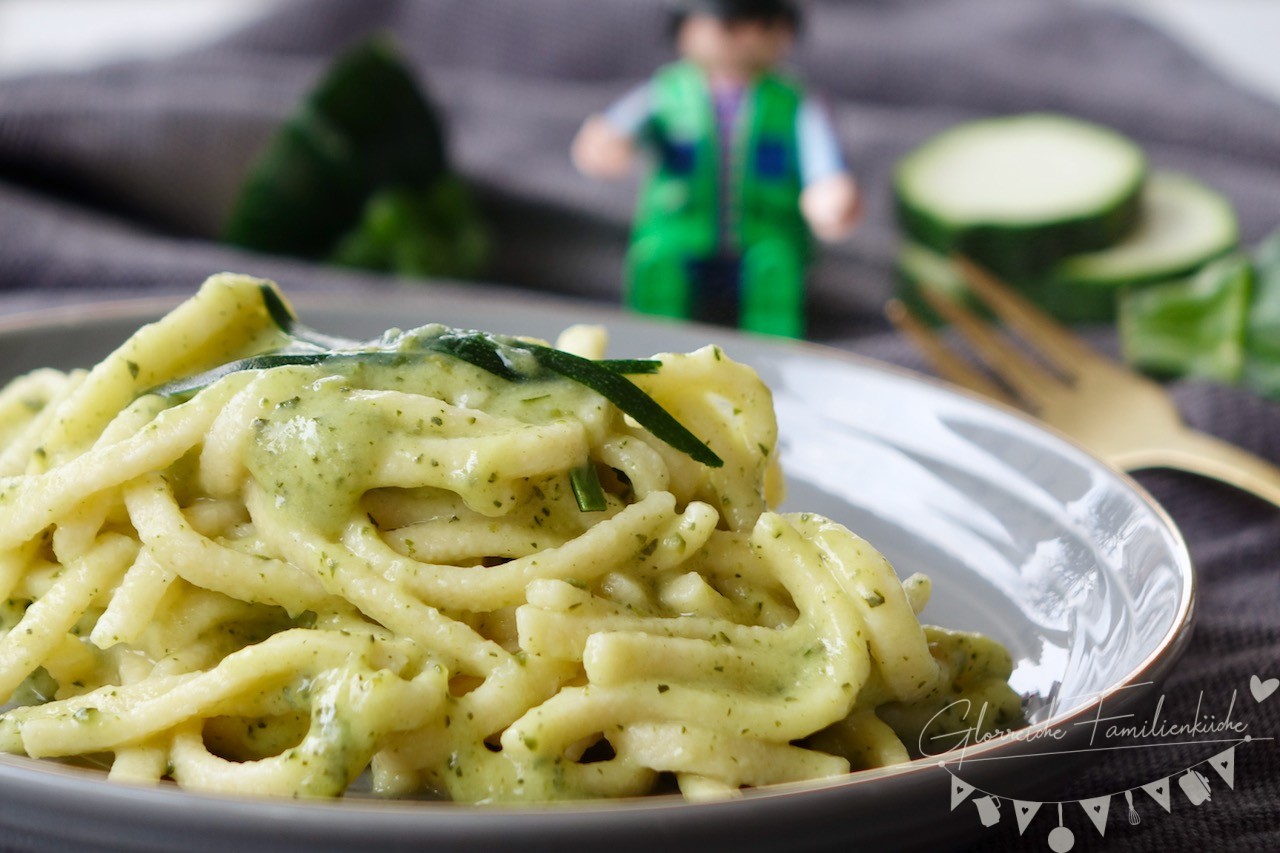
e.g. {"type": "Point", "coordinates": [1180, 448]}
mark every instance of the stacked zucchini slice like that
{"type": "Point", "coordinates": [1070, 213]}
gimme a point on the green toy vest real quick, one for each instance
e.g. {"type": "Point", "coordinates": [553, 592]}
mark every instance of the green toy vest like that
{"type": "Point", "coordinates": [680, 208]}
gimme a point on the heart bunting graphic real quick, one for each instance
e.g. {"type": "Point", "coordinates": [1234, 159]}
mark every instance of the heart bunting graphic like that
{"type": "Point", "coordinates": [1159, 792]}
{"type": "Point", "coordinates": [1097, 809]}
{"type": "Point", "coordinates": [1224, 764]}
{"type": "Point", "coordinates": [1024, 811]}
{"type": "Point", "coordinates": [960, 791]}
{"type": "Point", "coordinates": [1195, 781]}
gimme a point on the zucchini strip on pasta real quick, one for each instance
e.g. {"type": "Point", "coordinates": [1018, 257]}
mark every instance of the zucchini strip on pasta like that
{"type": "Point", "coordinates": [239, 555]}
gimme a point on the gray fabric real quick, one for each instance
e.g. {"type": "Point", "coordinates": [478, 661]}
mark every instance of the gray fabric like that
{"type": "Point", "coordinates": [112, 183]}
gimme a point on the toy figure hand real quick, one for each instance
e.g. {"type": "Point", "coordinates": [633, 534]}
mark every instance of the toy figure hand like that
{"type": "Point", "coordinates": [831, 206]}
{"type": "Point", "coordinates": [601, 151]}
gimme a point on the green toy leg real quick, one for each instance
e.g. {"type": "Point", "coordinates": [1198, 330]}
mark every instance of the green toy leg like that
{"type": "Point", "coordinates": [658, 277]}
{"type": "Point", "coordinates": [773, 289]}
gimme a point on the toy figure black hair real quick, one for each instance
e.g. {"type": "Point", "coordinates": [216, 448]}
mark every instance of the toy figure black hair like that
{"type": "Point", "coordinates": [768, 11]}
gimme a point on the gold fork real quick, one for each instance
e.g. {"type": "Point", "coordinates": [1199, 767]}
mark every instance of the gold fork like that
{"type": "Point", "coordinates": [1119, 416]}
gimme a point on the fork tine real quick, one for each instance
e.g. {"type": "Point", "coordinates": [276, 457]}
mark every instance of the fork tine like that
{"type": "Point", "coordinates": [1027, 379]}
{"type": "Point", "coordinates": [949, 364]}
{"type": "Point", "coordinates": [1063, 350]}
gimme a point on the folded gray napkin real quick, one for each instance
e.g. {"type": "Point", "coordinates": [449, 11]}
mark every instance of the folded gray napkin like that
{"type": "Point", "coordinates": [115, 182]}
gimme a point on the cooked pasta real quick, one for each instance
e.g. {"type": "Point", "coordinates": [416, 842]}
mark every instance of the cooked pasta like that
{"type": "Point", "coordinates": [249, 559]}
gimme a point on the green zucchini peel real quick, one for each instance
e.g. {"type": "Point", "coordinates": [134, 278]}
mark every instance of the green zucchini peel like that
{"type": "Point", "coordinates": [509, 358]}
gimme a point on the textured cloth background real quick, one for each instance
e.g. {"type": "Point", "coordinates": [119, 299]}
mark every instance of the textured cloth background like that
{"type": "Point", "coordinates": [115, 182]}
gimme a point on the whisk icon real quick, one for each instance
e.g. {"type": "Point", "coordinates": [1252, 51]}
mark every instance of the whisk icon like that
{"type": "Point", "coordinates": [1134, 819]}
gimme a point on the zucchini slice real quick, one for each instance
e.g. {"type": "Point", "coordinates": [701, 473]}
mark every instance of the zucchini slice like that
{"type": "Point", "coordinates": [918, 267]}
{"type": "Point", "coordinates": [1020, 193]}
{"type": "Point", "coordinates": [1183, 225]}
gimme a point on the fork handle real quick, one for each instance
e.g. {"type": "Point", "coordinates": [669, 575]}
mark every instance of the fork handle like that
{"type": "Point", "coordinates": [1203, 454]}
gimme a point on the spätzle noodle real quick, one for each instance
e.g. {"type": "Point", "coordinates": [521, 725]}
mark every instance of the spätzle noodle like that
{"type": "Point", "coordinates": [246, 560]}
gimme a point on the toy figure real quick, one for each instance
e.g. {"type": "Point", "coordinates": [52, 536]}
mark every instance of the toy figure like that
{"type": "Point", "coordinates": [745, 167]}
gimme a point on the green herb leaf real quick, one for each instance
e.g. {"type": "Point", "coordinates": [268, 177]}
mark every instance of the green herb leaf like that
{"type": "Point", "coordinates": [509, 358]}
{"type": "Point", "coordinates": [483, 351]}
{"type": "Point", "coordinates": [279, 311]}
{"type": "Point", "coordinates": [624, 394]}
{"type": "Point", "coordinates": [284, 318]}
{"type": "Point", "coordinates": [587, 490]}
{"type": "Point", "coordinates": [630, 366]}
{"type": "Point", "coordinates": [191, 384]}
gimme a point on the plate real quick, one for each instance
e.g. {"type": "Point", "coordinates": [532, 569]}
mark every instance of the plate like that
{"type": "Point", "coordinates": [1026, 537]}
